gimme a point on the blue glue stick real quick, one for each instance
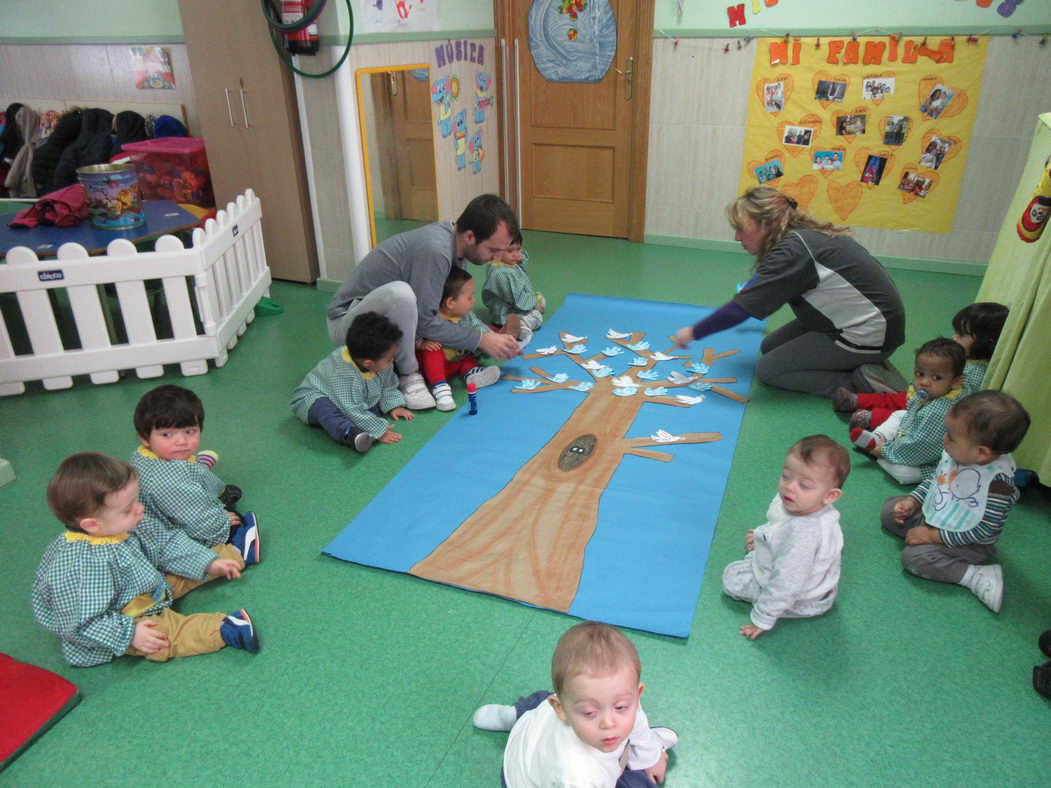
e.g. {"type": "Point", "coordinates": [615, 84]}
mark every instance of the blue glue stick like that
{"type": "Point", "coordinates": [472, 399]}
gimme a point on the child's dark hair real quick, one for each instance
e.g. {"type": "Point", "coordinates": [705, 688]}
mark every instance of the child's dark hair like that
{"type": "Point", "coordinates": [370, 336]}
{"type": "Point", "coordinates": [516, 238]}
{"type": "Point", "coordinates": [984, 321]}
{"type": "Point", "coordinates": [80, 486]}
{"type": "Point", "coordinates": [945, 349]}
{"type": "Point", "coordinates": [993, 419]}
{"type": "Point", "coordinates": [454, 283]}
{"type": "Point", "coordinates": [814, 448]}
{"type": "Point", "coordinates": [168, 406]}
{"type": "Point", "coordinates": [482, 216]}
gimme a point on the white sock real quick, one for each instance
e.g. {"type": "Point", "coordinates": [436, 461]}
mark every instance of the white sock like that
{"type": "Point", "coordinates": [495, 717]}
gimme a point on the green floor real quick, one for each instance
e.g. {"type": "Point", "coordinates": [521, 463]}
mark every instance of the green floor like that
{"type": "Point", "coordinates": [370, 678]}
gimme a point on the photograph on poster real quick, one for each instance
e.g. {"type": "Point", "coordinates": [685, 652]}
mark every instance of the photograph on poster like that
{"type": "Point", "coordinates": [937, 101]}
{"type": "Point", "coordinates": [897, 129]}
{"type": "Point", "coordinates": [828, 160]}
{"type": "Point", "coordinates": [873, 172]}
{"type": "Point", "coordinates": [769, 170]}
{"type": "Point", "coordinates": [850, 124]}
{"type": "Point", "coordinates": [877, 88]}
{"type": "Point", "coordinates": [935, 152]}
{"type": "Point", "coordinates": [911, 183]}
{"type": "Point", "coordinates": [798, 135]}
{"type": "Point", "coordinates": [827, 90]}
{"type": "Point", "coordinates": [774, 96]}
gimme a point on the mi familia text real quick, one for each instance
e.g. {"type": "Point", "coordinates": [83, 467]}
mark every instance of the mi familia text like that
{"type": "Point", "coordinates": [736, 12]}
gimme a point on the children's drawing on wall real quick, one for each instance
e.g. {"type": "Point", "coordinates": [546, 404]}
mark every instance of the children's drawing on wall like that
{"type": "Point", "coordinates": [396, 16]}
{"type": "Point", "coordinates": [937, 101]}
{"type": "Point", "coordinates": [914, 184]}
{"type": "Point", "coordinates": [152, 68]}
{"type": "Point", "coordinates": [443, 91]}
{"type": "Point", "coordinates": [474, 147]}
{"type": "Point", "coordinates": [873, 172]}
{"type": "Point", "coordinates": [850, 125]}
{"type": "Point", "coordinates": [827, 90]}
{"type": "Point", "coordinates": [877, 88]}
{"type": "Point", "coordinates": [895, 129]}
{"type": "Point", "coordinates": [460, 138]}
{"type": "Point", "coordinates": [774, 96]}
{"type": "Point", "coordinates": [798, 135]}
{"type": "Point", "coordinates": [572, 40]}
{"type": "Point", "coordinates": [830, 160]}
{"type": "Point", "coordinates": [935, 152]}
{"type": "Point", "coordinates": [483, 99]}
{"type": "Point", "coordinates": [769, 170]}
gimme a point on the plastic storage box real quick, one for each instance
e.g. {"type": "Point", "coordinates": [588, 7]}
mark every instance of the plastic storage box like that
{"type": "Point", "coordinates": [173, 168]}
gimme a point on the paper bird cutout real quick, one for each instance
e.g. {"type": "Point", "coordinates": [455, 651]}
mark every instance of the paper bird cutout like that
{"type": "Point", "coordinates": [528, 384]}
{"type": "Point", "coordinates": [591, 364]}
{"type": "Point", "coordinates": [561, 377]}
{"type": "Point", "coordinates": [577, 350]}
{"type": "Point", "coordinates": [570, 339]}
{"type": "Point", "coordinates": [626, 391]}
{"type": "Point", "coordinates": [638, 361]}
{"type": "Point", "coordinates": [677, 377]}
{"type": "Point", "coordinates": [613, 350]}
{"type": "Point", "coordinates": [623, 380]}
{"type": "Point", "coordinates": [648, 374]}
{"type": "Point", "coordinates": [660, 391]}
{"type": "Point", "coordinates": [640, 346]}
{"type": "Point", "coordinates": [700, 386]}
{"type": "Point", "coordinates": [658, 356]}
{"type": "Point", "coordinates": [611, 334]}
{"type": "Point", "coordinates": [603, 371]}
{"type": "Point", "coordinates": [546, 351]}
{"type": "Point", "coordinates": [701, 369]}
{"type": "Point", "coordinates": [586, 385]}
{"type": "Point", "coordinates": [690, 400]}
{"type": "Point", "coordinates": [663, 436]}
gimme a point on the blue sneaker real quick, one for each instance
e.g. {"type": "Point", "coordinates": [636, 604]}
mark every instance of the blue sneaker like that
{"type": "Point", "coordinates": [246, 539]}
{"type": "Point", "coordinates": [237, 632]}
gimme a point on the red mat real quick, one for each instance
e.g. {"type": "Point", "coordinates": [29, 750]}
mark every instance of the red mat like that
{"type": "Point", "coordinates": [31, 701]}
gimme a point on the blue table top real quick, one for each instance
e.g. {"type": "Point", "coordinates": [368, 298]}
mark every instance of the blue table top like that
{"type": "Point", "coordinates": [162, 217]}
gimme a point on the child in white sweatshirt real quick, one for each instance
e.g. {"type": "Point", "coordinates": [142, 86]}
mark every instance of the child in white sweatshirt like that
{"type": "Point", "coordinates": [792, 566]}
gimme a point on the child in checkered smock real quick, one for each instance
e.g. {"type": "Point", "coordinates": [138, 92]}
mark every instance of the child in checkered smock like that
{"type": "Point", "coordinates": [509, 296]}
{"type": "Point", "coordinates": [176, 483]}
{"type": "Point", "coordinates": [350, 390]}
{"type": "Point", "coordinates": [100, 586]}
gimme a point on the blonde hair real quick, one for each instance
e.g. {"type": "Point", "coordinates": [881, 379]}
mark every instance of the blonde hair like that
{"type": "Point", "coordinates": [591, 648]}
{"type": "Point", "coordinates": [775, 214]}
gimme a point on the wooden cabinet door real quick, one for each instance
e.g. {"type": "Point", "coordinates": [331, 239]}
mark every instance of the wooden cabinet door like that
{"type": "Point", "coordinates": [247, 109]}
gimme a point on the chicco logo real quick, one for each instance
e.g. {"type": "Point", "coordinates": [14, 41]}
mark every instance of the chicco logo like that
{"type": "Point", "coordinates": [50, 276]}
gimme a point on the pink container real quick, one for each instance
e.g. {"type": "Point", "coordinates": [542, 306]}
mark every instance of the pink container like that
{"type": "Point", "coordinates": [173, 168]}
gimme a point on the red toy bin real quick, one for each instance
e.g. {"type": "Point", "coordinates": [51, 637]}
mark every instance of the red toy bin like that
{"type": "Point", "coordinates": [173, 168]}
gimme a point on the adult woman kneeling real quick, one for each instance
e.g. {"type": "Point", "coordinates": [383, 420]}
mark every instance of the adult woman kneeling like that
{"type": "Point", "coordinates": [849, 315]}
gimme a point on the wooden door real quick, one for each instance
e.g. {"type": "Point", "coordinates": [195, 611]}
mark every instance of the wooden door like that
{"type": "Point", "coordinates": [414, 147]}
{"type": "Point", "coordinates": [246, 106]}
{"type": "Point", "coordinates": [581, 146]}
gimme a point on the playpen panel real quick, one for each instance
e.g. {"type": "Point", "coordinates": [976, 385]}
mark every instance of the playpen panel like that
{"type": "Point", "coordinates": [89, 317]}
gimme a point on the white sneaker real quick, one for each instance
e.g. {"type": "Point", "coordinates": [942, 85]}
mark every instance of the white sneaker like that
{"type": "Point", "coordinates": [363, 442]}
{"type": "Point", "coordinates": [415, 390]}
{"type": "Point", "coordinates": [987, 583]}
{"type": "Point", "coordinates": [443, 396]}
{"type": "Point", "coordinates": [495, 717]}
{"type": "Point", "coordinates": [485, 376]}
{"type": "Point", "coordinates": [668, 737]}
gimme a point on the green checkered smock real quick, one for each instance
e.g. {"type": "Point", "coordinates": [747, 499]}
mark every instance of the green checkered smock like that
{"type": "Point", "coordinates": [84, 582]}
{"type": "Point", "coordinates": [182, 494]}
{"type": "Point", "coordinates": [352, 391]}
{"type": "Point", "coordinates": [974, 375]}
{"type": "Point", "coordinates": [508, 291]}
{"type": "Point", "coordinates": [918, 441]}
{"type": "Point", "coordinates": [470, 320]}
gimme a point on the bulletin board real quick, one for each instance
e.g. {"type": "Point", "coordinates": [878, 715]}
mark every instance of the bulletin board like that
{"type": "Point", "coordinates": [866, 131]}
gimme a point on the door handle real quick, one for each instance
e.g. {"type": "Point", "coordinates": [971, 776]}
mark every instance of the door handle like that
{"type": "Point", "coordinates": [244, 106]}
{"type": "Point", "coordinates": [229, 109]}
{"type": "Point", "coordinates": [627, 78]}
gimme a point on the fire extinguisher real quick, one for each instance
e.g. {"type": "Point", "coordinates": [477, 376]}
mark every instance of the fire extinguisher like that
{"type": "Point", "coordinates": [304, 39]}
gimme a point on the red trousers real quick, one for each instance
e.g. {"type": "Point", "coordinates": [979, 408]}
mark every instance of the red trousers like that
{"type": "Point", "coordinates": [882, 405]}
{"type": "Point", "coordinates": [436, 367]}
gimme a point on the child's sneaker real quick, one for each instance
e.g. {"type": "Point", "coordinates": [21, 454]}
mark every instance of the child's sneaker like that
{"type": "Point", "coordinates": [246, 539]}
{"type": "Point", "coordinates": [443, 396]}
{"type": "Point", "coordinates": [482, 376]}
{"type": "Point", "coordinates": [987, 583]}
{"type": "Point", "coordinates": [495, 717]}
{"type": "Point", "coordinates": [230, 496]}
{"type": "Point", "coordinates": [362, 442]}
{"type": "Point", "coordinates": [844, 400]}
{"type": "Point", "coordinates": [668, 738]}
{"type": "Point", "coordinates": [861, 418]}
{"type": "Point", "coordinates": [415, 390]}
{"type": "Point", "coordinates": [237, 632]}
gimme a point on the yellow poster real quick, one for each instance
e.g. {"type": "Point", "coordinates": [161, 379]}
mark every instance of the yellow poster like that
{"type": "Point", "coordinates": [867, 131]}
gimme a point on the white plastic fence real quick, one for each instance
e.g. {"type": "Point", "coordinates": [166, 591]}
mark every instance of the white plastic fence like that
{"type": "Point", "coordinates": [228, 275]}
